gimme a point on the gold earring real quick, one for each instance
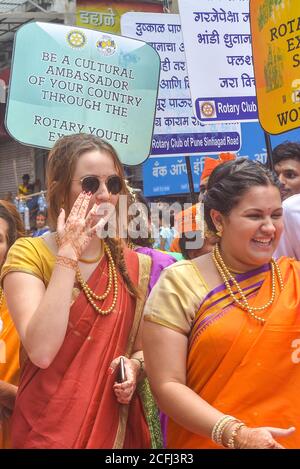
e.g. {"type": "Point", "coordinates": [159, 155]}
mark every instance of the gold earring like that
{"type": "Point", "coordinates": [219, 233]}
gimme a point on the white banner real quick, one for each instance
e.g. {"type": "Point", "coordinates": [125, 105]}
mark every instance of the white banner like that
{"type": "Point", "coordinates": [217, 42]}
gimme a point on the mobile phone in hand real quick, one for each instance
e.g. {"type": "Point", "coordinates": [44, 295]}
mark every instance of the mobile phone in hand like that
{"type": "Point", "coordinates": [121, 371]}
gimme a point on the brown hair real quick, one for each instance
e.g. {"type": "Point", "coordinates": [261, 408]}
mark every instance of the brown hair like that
{"type": "Point", "coordinates": [61, 166]}
{"type": "Point", "coordinates": [10, 214]}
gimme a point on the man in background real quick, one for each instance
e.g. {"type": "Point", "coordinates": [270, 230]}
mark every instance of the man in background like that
{"type": "Point", "coordinates": [25, 188]}
{"type": "Point", "coordinates": [286, 159]}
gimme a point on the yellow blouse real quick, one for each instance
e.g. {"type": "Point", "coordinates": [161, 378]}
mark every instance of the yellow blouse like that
{"type": "Point", "coordinates": [33, 256]}
{"type": "Point", "coordinates": [30, 255]}
{"type": "Point", "coordinates": [176, 297]}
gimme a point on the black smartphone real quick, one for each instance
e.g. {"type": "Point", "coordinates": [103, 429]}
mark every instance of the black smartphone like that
{"type": "Point", "coordinates": [121, 372]}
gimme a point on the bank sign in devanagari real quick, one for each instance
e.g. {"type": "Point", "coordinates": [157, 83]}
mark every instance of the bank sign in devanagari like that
{"type": "Point", "coordinates": [217, 43]}
{"type": "Point", "coordinates": [168, 176]}
{"type": "Point", "coordinates": [67, 80]}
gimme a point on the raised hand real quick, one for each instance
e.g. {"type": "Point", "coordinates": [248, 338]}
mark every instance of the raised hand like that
{"type": "Point", "coordinates": [75, 233]}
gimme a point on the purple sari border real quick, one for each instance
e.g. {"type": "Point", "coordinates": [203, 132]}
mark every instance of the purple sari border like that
{"type": "Point", "coordinates": [257, 284]}
{"type": "Point", "coordinates": [208, 318]}
{"type": "Point", "coordinates": [240, 277]}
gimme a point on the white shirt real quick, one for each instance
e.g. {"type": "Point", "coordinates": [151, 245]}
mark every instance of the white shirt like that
{"type": "Point", "coordinates": [289, 244]}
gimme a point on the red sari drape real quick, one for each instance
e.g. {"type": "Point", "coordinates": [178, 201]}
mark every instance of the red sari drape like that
{"type": "Point", "coordinates": [71, 404]}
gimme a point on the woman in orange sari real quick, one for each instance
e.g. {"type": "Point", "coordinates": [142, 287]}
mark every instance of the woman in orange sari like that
{"type": "Point", "coordinates": [225, 327]}
{"type": "Point", "coordinates": [77, 301]}
{"type": "Point", "coordinates": [11, 228]}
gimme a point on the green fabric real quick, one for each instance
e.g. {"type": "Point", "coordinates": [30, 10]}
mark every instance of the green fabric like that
{"type": "Point", "coordinates": [151, 414]}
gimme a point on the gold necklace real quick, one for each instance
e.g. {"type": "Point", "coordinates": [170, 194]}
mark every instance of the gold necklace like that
{"type": "Point", "coordinates": [85, 261]}
{"type": "Point", "coordinates": [112, 282]}
{"type": "Point", "coordinates": [242, 302]}
{"type": "Point", "coordinates": [91, 261]}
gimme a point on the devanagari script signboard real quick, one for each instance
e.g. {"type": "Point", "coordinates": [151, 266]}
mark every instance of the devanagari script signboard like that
{"type": "Point", "coordinates": [218, 51]}
{"type": "Point", "coordinates": [177, 130]}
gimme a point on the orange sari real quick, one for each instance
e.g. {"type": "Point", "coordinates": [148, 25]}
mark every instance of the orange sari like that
{"type": "Point", "coordinates": [245, 369]}
{"type": "Point", "coordinates": [71, 404]}
{"type": "Point", "coordinates": [9, 365]}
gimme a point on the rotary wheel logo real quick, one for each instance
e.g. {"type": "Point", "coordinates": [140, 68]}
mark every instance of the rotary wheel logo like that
{"type": "Point", "coordinates": [207, 109]}
{"type": "Point", "coordinates": [76, 39]}
{"type": "Point", "coordinates": [106, 46]}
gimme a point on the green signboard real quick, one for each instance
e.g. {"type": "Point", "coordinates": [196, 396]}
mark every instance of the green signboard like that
{"type": "Point", "coordinates": [67, 80]}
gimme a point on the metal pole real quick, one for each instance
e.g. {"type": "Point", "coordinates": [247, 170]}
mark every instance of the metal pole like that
{"type": "Point", "coordinates": [269, 151]}
{"type": "Point", "coordinates": [190, 178]}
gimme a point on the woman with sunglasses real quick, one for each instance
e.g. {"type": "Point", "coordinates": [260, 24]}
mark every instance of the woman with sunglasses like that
{"type": "Point", "coordinates": [77, 301]}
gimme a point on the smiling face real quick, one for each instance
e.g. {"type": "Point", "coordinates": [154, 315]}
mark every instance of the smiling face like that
{"type": "Point", "coordinates": [288, 172]}
{"type": "Point", "coordinates": [251, 231]}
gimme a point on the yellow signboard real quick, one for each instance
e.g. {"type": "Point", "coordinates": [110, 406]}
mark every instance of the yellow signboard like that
{"type": "Point", "coordinates": [106, 15]}
{"type": "Point", "coordinates": [275, 28]}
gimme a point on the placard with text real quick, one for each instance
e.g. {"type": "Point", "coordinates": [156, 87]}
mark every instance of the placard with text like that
{"type": "Point", "coordinates": [275, 28]}
{"type": "Point", "coordinates": [67, 80]}
{"type": "Point", "coordinates": [217, 44]}
{"type": "Point", "coordinates": [177, 130]}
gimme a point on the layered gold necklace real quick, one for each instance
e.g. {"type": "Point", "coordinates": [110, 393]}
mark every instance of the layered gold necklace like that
{"type": "Point", "coordinates": [241, 300]}
{"type": "Point", "coordinates": [112, 282]}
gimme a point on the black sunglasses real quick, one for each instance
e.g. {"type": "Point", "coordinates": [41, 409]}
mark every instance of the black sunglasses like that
{"type": "Point", "coordinates": [92, 183]}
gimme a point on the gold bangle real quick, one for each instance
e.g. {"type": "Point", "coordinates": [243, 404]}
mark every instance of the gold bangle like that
{"type": "Point", "coordinates": [141, 362]}
{"type": "Point", "coordinates": [67, 262]}
{"type": "Point", "coordinates": [219, 427]}
{"type": "Point", "coordinates": [231, 441]}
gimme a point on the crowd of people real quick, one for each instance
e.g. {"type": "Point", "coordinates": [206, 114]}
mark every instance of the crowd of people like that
{"type": "Point", "coordinates": [205, 317]}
